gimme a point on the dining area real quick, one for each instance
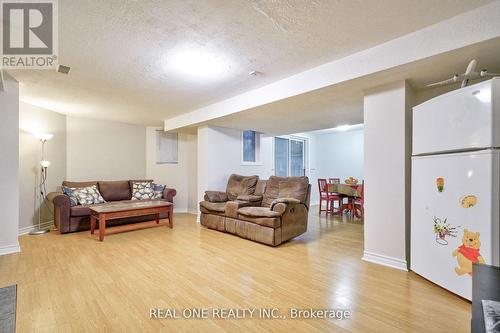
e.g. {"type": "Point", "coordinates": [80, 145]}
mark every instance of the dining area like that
{"type": "Point", "coordinates": [341, 198]}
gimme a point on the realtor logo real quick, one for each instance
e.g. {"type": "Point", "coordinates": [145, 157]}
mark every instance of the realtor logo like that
{"type": "Point", "coordinates": [29, 34]}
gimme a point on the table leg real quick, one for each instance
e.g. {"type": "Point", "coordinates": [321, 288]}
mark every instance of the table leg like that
{"type": "Point", "coordinates": [171, 217]}
{"type": "Point", "coordinates": [102, 226]}
{"type": "Point", "coordinates": [158, 218]}
{"type": "Point", "coordinates": [92, 223]}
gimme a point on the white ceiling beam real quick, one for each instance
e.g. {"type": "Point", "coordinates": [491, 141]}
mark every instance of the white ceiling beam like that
{"type": "Point", "coordinates": [466, 29]}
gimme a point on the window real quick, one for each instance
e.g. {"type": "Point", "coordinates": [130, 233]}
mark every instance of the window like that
{"type": "Point", "coordinates": [289, 157]}
{"type": "Point", "coordinates": [250, 141]}
{"type": "Point", "coordinates": [166, 147]}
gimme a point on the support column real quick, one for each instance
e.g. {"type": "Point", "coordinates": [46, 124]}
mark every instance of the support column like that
{"type": "Point", "coordinates": [387, 165]}
{"type": "Point", "coordinates": [9, 168]}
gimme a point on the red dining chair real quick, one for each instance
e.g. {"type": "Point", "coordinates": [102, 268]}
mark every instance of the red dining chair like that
{"type": "Point", "coordinates": [334, 180]}
{"type": "Point", "coordinates": [359, 203]}
{"type": "Point", "coordinates": [329, 197]}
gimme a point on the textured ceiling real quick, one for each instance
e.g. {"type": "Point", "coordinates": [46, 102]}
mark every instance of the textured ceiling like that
{"type": "Point", "coordinates": [343, 103]}
{"type": "Point", "coordinates": [116, 49]}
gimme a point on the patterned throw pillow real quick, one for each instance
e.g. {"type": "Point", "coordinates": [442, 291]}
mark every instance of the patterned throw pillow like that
{"type": "Point", "coordinates": [69, 191]}
{"type": "Point", "coordinates": [158, 189]}
{"type": "Point", "coordinates": [142, 191]}
{"type": "Point", "coordinates": [88, 195]}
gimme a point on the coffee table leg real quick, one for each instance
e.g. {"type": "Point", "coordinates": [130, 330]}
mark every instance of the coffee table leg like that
{"type": "Point", "coordinates": [102, 226]}
{"type": "Point", "coordinates": [158, 218]}
{"type": "Point", "coordinates": [171, 217]}
{"type": "Point", "coordinates": [92, 224]}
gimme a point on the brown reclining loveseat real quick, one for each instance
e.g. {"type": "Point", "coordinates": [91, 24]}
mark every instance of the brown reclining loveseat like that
{"type": "Point", "coordinates": [269, 212]}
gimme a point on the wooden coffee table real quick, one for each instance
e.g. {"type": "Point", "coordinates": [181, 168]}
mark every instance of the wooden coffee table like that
{"type": "Point", "coordinates": [129, 209]}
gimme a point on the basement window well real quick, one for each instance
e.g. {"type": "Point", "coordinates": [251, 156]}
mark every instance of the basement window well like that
{"type": "Point", "coordinates": [250, 147]}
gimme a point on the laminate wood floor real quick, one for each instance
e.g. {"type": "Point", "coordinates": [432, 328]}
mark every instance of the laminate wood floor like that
{"type": "Point", "coordinates": [74, 283]}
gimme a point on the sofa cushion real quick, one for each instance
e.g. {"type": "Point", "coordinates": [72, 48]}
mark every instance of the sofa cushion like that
{"type": "Point", "coordinates": [285, 187]}
{"type": "Point", "coordinates": [270, 222]}
{"type": "Point", "coordinates": [294, 187]}
{"type": "Point", "coordinates": [240, 185]}
{"type": "Point", "coordinates": [69, 191]}
{"type": "Point", "coordinates": [80, 210]}
{"type": "Point", "coordinates": [215, 196]}
{"type": "Point", "coordinates": [115, 190]}
{"type": "Point", "coordinates": [142, 190]}
{"type": "Point", "coordinates": [258, 212]}
{"type": "Point", "coordinates": [132, 181]}
{"type": "Point", "coordinates": [271, 191]}
{"type": "Point", "coordinates": [78, 184]}
{"type": "Point", "coordinates": [214, 206]}
{"type": "Point", "coordinates": [158, 191]}
{"type": "Point", "coordinates": [88, 195]}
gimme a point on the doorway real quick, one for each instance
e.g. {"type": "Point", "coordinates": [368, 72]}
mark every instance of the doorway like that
{"type": "Point", "coordinates": [289, 156]}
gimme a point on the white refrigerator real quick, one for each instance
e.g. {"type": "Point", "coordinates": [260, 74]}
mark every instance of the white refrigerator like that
{"type": "Point", "coordinates": [455, 199]}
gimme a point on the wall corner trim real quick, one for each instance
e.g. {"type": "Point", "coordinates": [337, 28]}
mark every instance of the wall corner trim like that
{"type": "Point", "coordinates": [385, 260]}
{"type": "Point", "coordinates": [9, 249]}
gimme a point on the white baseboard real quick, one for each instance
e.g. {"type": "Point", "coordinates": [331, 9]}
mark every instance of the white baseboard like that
{"type": "Point", "coordinates": [385, 260]}
{"type": "Point", "coordinates": [9, 249]}
{"type": "Point", "coordinates": [26, 230]}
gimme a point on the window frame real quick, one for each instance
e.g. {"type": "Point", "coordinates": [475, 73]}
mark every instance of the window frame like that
{"type": "Point", "coordinates": [258, 145]}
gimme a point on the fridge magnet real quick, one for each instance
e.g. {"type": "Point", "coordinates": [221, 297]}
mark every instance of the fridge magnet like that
{"type": "Point", "coordinates": [468, 201]}
{"type": "Point", "coordinates": [440, 184]}
{"type": "Point", "coordinates": [442, 229]}
{"type": "Point", "coordinates": [468, 253]}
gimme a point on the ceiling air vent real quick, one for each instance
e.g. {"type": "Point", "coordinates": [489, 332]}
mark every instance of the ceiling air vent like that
{"type": "Point", "coordinates": [63, 69]}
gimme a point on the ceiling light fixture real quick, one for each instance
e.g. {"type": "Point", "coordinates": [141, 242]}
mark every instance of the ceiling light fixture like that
{"type": "Point", "coordinates": [342, 128]}
{"type": "Point", "coordinates": [197, 63]}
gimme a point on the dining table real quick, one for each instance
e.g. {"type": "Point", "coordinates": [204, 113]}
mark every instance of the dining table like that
{"type": "Point", "coordinates": [350, 191]}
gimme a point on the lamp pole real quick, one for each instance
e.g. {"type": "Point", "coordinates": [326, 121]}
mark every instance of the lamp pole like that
{"type": "Point", "coordinates": [43, 137]}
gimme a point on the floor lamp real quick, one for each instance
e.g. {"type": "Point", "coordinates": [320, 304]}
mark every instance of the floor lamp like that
{"type": "Point", "coordinates": [41, 191]}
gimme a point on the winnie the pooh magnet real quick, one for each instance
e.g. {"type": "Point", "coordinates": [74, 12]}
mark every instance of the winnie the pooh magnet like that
{"type": "Point", "coordinates": [468, 201]}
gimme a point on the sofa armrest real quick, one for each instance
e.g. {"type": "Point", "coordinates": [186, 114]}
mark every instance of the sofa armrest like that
{"type": "Point", "coordinates": [62, 212]}
{"type": "Point", "coordinates": [169, 194]}
{"type": "Point", "coordinates": [250, 198]}
{"type": "Point", "coordinates": [216, 196]}
{"type": "Point", "coordinates": [285, 201]}
{"type": "Point", "coordinates": [294, 215]}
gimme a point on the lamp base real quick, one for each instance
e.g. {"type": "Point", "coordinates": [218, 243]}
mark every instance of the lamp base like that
{"type": "Point", "coordinates": [39, 231]}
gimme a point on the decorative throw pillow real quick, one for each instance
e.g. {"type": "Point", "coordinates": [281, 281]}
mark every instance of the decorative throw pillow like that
{"type": "Point", "coordinates": [69, 191]}
{"type": "Point", "coordinates": [158, 191]}
{"type": "Point", "coordinates": [142, 191]}
{"type": "Point", "coordinates": [88, 195]}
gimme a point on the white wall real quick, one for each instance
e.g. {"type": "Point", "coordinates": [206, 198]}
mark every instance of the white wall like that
{"type": "Point", "coordinates": [9, 167]}
{"type": "Point", "coordinates": [219, 155]}
{"type": "Point", "coordinates": [387, 141]}
{"type": "Point", "coordinates": [337, 154]}
{"type": "Point", "coordinates": [181, 176]}
{"type": "Point", "coordinates": [33, 119]}
{"type": "Point", "coordinates": [104, 150]}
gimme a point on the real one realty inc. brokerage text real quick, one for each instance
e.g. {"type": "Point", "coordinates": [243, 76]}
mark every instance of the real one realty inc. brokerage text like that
{"type": "Point", "coordinates": [248, 313]}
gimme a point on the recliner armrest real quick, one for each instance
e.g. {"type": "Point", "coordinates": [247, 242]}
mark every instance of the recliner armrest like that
{"type": "Point", "coordinates": [281, 204]}
{"type": "Point", "coordinates": [169, 194]}
{"type": "Point", "coordinates": [216, 196]}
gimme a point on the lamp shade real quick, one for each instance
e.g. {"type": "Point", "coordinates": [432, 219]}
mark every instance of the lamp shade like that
{"type": "Point", "coordinates": [43, 136]}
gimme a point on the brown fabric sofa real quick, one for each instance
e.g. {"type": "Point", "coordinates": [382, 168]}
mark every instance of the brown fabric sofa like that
{"type": "Point", "coordinates": [269, 212]}
{"type": "Point", "coordinates": [77, 218]}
